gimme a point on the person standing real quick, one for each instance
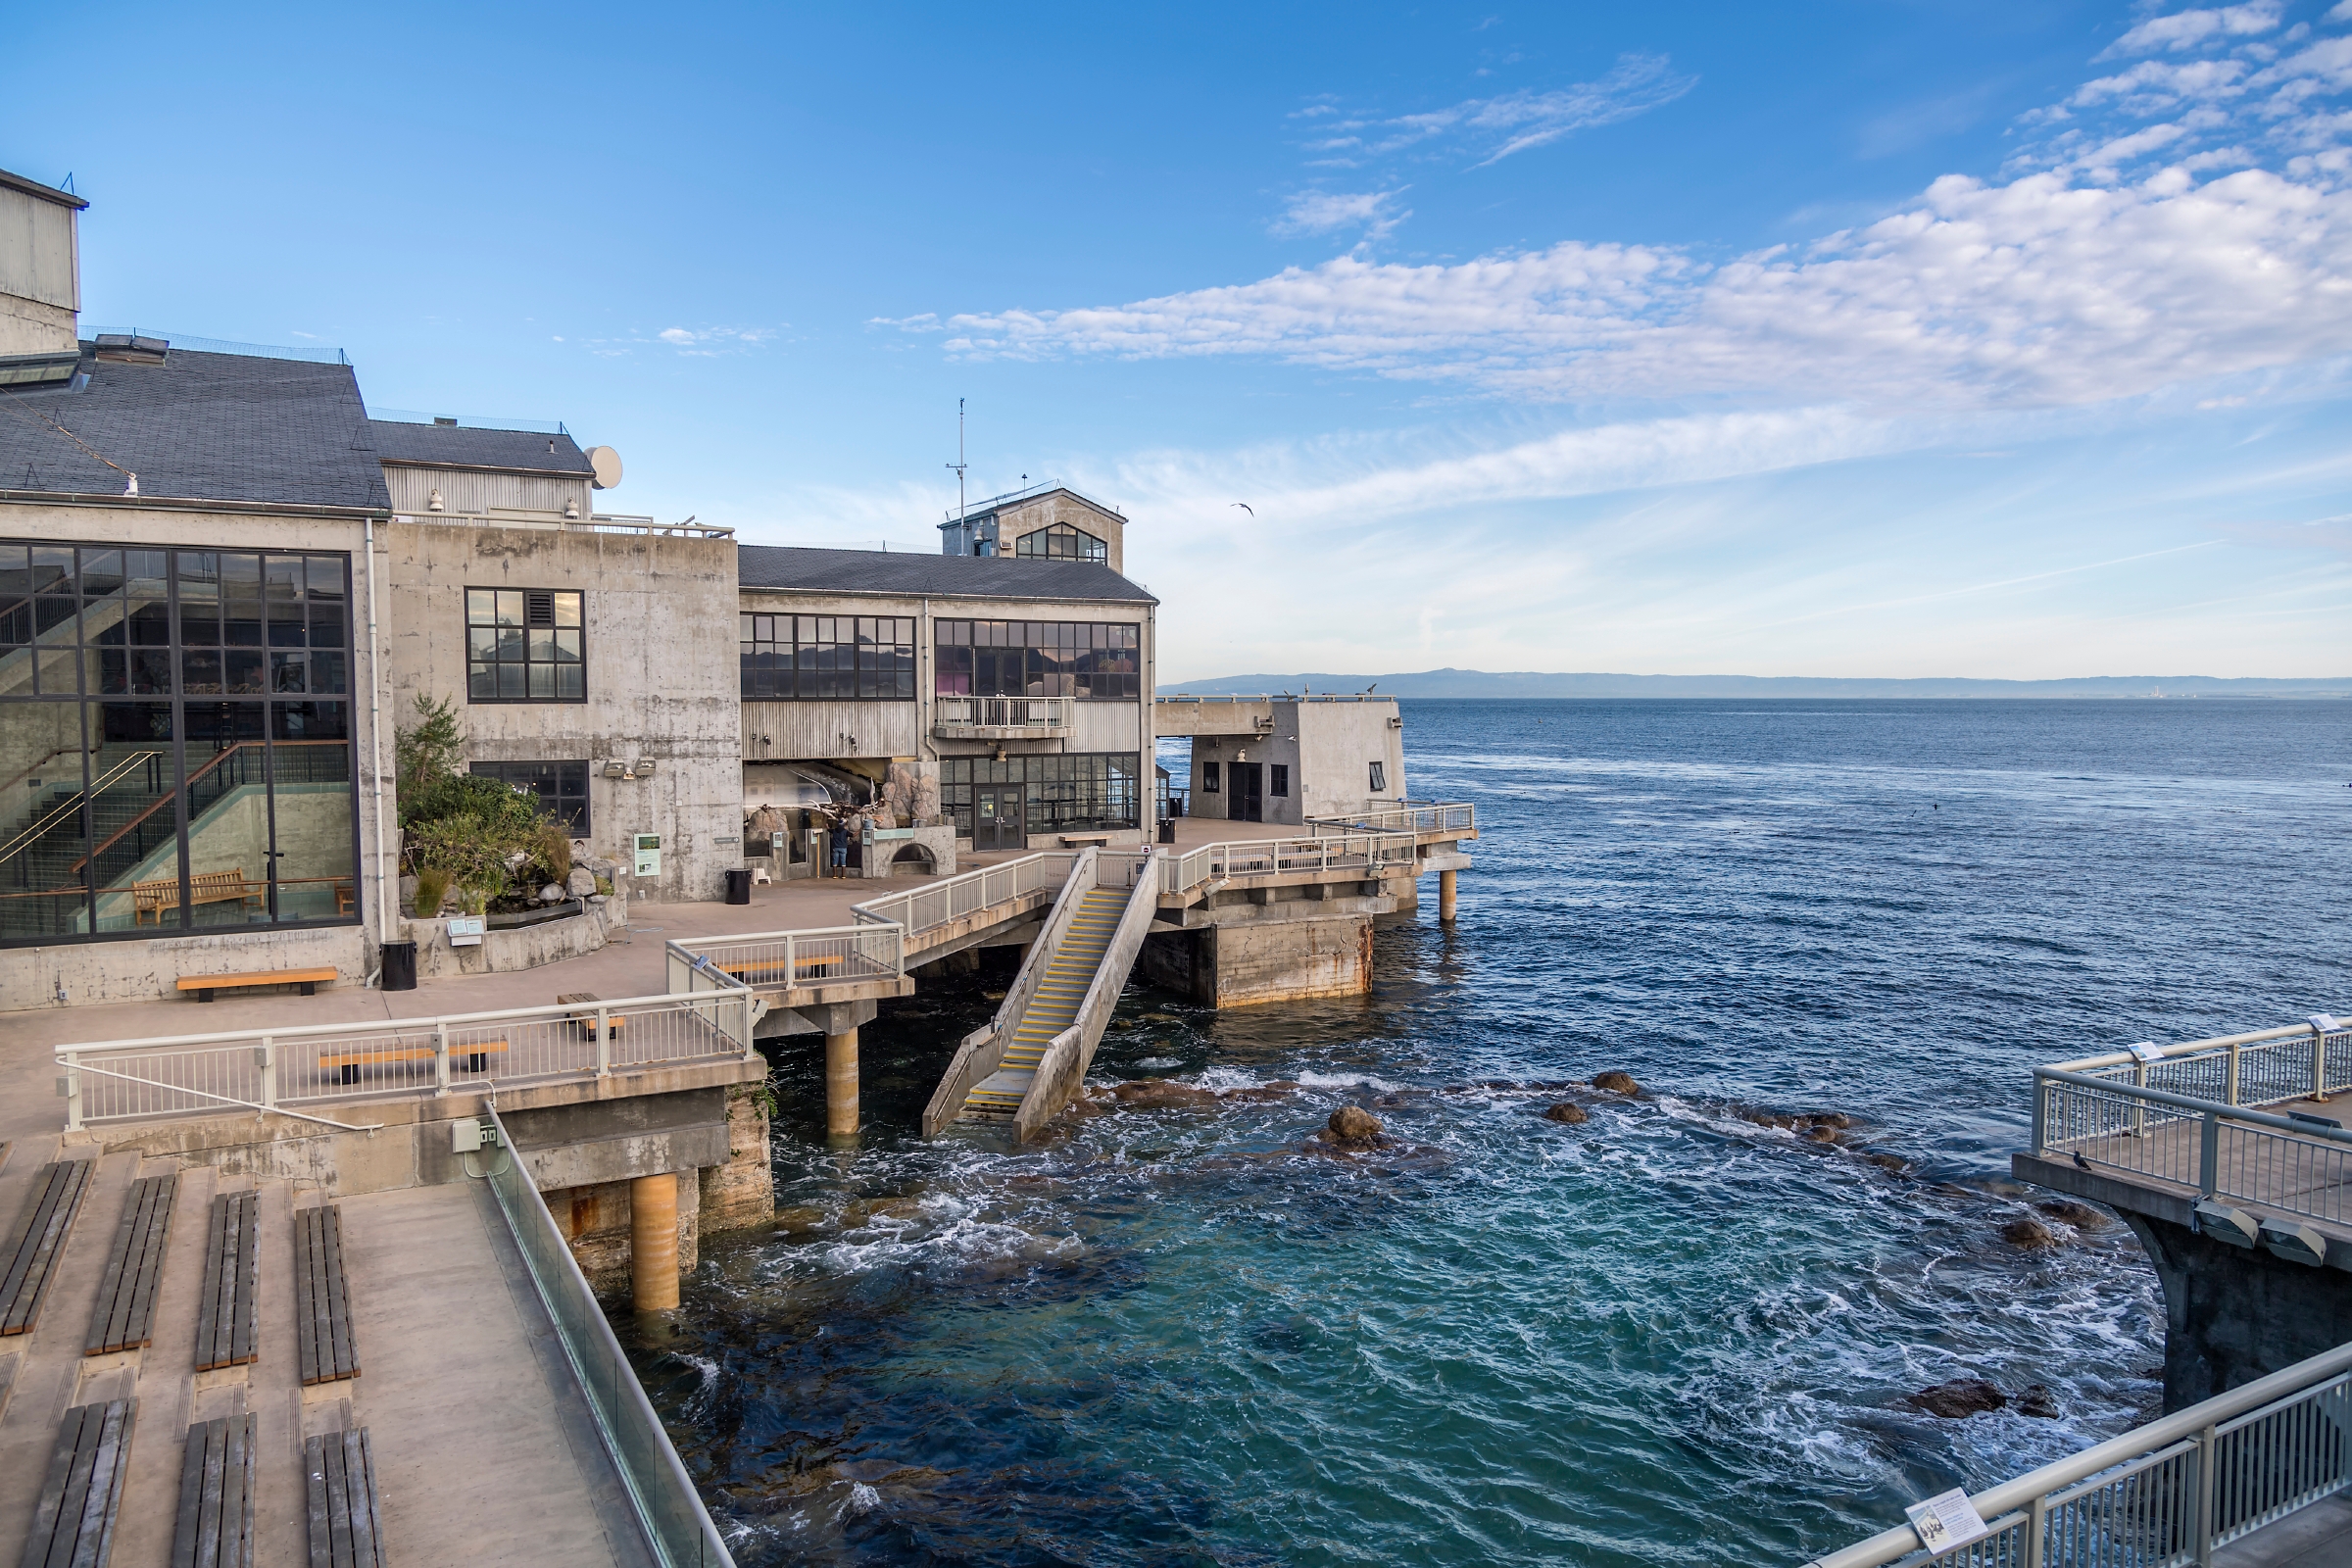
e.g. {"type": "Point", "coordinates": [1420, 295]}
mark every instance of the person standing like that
{"type": "Point", "coordinates": [841, 848]}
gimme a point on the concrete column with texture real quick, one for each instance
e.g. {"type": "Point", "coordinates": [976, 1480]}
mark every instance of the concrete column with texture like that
{"type": "Point", "coordinates": [841, 1084]}
{"type": "Point", "coordinates": [2232, 1314]}
{"type": "Point", "coordinates": [654, 1243]}
{"type": "Point", "coordinates": [1446, 896]}
{"type": "Point", "coordinates": [1242, 964]}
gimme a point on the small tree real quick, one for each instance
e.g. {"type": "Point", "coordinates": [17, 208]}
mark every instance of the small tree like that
{"type": "Point", "coordinates": [432, 749]}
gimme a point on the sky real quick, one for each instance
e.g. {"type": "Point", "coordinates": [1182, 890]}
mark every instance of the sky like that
{"type": "Point", "coordinates": [1884, 338]}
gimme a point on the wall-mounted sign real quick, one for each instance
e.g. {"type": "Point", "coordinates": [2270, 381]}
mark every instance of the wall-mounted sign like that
{"type": "Point", "coordinates": [649, 855]}
{"type": "Point", "coordinates": [466, 931]}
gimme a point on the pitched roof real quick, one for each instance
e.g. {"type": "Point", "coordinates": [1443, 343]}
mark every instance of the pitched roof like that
{"type": "Point", "coordinates": [443, 446]}
{"type": "Point", "coordinates": [874, 572]}
{"type": "Point", "coordinates": [198, 426]}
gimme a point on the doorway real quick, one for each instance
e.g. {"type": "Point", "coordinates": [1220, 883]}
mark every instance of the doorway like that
{"type": "Point", "coordinates": [997, 818]}
{"type": "Point", "coordinates": [1245, 792]}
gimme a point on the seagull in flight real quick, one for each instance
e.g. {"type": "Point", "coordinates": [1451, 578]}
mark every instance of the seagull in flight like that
{"type": "Point", "coordinates": [1247, 507]}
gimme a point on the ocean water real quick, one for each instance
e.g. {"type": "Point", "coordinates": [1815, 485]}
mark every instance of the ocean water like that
{"type": "Point", "coordinates": [1174, 1333]}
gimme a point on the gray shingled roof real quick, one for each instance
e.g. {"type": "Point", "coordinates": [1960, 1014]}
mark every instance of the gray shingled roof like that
{"type": "Point", "coordinates": [874, 572]}
{"type": "Point", "coordinates": [199, 426]}
{"type": "Point", "coordinates": [442, 445]}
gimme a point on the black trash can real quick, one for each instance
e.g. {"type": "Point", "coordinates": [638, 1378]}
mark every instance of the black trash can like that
{"type": "Point", "coordinates": [1167, 830]}
{"type": "Point", "coordinates": [400, 965]}
{"type": "Point", "coordinates": [739, 884]}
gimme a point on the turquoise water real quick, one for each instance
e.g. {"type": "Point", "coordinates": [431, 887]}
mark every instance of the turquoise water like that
{"type": "Point", "coordinates": [1172, 1334]}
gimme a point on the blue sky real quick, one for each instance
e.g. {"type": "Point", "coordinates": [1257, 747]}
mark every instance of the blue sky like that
{"type": "Point", "coordinates": [1860, 339]}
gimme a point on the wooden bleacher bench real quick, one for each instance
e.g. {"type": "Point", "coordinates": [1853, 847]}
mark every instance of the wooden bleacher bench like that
{"type": "Point", "coordinates": [339, 1488]}
{"type": "Point", "coordinates": [29, 1259]}
{"type": "Point", "coordinates": [124, 1317]}
{"type": "Point", "coordinates": [204, 985]}
{"type": "Point", "coordinates": [806, 968]}
{"type": "Point", "coordinates": [231, 1283]}
{"type": "Point", "coordinates": [204, 887]}
{"type": "Point", "coordinates": [348, 1062]}
{"type": "Point", "coordinates": [214, 1528]}
{"type": "Point", "coordinates": [583, 1016]}
{"type": "Point", "coordinates": [321, 1300]}
{"type": "Point", "coordinates": [75, 1523]}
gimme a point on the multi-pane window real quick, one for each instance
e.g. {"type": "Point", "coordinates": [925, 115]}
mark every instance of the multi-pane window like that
{"type": "Point", "coordinates": [560, 788]}
{"type": "Point", "coordinates": [525, 645]}
{"type": "Point", "coordinates": [1209, 778]}
{"type": "Point", "coordinates": [819, 658]}
{"type": "Point", "coordinates": [1040, 659]}
{"type": "Point", "coordinates": [1278, 778]}
{"type": "Point", "coordinates": [1380, 777]}
{"type": "Point", "coordinates": [1061, 542]}
{"type": "Point", "coordinates": [1090, 792]}
{"type": "Point", "coordinates": [177, 728]}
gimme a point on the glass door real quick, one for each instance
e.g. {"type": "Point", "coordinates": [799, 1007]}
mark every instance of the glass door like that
{"type": "Point", "coordinates": [1246, 792]}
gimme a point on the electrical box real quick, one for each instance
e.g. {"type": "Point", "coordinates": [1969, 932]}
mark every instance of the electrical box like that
{"type": "Point", "coordinates": [465, 1136]}
{"type": "Point", "coordinates": [649, 855]}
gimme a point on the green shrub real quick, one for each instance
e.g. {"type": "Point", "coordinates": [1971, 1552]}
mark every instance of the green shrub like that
{"type": "Point", "coordinates": [432, 887]}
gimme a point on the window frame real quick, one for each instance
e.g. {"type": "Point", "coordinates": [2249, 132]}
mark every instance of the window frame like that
{"type": "Point", "coordinates": [1088, 547]}
{"type": "Point", "coordinates": [1278, 780]}
{"type": "Point", "coordinates": [526, 628]}
{"type": "Point", "coordinates": [1209, 772]}
{"type": "Point", "coordinates": [1084, 660]}
{"type": "Point", "coordinates": [1380, 778]}
{"type": "Point", "coordinates": [503, 769]}
{"type": "Point", "coordinates": [816, 656]}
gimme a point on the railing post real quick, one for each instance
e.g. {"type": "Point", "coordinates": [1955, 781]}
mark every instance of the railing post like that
{"type": "Point", "coordinates": [2209, 1155]}
{"type": "Point", "coordinates": [2234, 1049]}
{"type": "Point", "coordinates": [2319, 1064]}
{"type": "Point", "coordinates": [441, 1059]}
{"type": "Point", "coordinates": [603, 1041]}
{"type": "Point", "coordinates": [267, 1055]}
{"type": "Point", "coordinates": [2037, 1517]}
{"type": "Point", "coordinates": [751, 1049]}
{"type": "Point", "coordinates": [2205, 1479]}
{"type": "Point", "coordinates": [2041, 1112]}
{"type": "Point", "coordinates": [2139, 1107]}
{"type": "Point", "coordinates": [72, 1066]}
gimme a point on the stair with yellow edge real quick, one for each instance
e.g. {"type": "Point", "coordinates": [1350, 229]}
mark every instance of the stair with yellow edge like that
{"type": "Point", "coordinates": [1054, 1008]}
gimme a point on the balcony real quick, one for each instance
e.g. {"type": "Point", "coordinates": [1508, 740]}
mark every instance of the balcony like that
{"type": "Point", "coordinates": [1001, 718]}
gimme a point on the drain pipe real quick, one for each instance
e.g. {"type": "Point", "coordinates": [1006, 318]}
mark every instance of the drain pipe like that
{"type": "Point", "coordinates": [375, 746]}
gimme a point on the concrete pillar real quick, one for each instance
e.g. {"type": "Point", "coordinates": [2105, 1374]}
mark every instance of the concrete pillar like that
{"type": "Point", "coordinates": [2232, 1314]}
{"type": "Point", "coordinates": [1446, 896]}
{"type": "Point", "coordinates": [841, 1084]}
{"type": "Point", "coordinates": [654, 1242]}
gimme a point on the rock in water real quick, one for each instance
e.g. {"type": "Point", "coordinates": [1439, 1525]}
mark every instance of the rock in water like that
{"type": "Point", "coordinates": [1569, 1111]}
{"type": "Point", "coordinates": [2037, 1401]}
{"type": "Point", "coordinates": [2082, 1217]}
{"type": "Point", "coordinates": [1352, 1124]}
{"type": "Point", "coordinates": [1959, 1399]}
{"type": "Point", "coordinates": [2029, 1232]}
{"type": "Point", "coordinates": [1616, 1083]}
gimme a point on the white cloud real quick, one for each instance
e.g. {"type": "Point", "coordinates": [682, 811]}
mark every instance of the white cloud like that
{"type": "Point", "coordinates": [1375, 213]}
{"type": "Point", "coordinates": [1493, 128]}
{"type": "Point", "coordinates": [2186, 30]}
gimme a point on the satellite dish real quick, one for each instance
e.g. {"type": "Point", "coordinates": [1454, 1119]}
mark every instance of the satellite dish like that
{"type": "Point", "coordinates": [606, 464]}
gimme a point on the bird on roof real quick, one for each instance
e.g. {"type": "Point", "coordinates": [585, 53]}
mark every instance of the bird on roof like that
{"type": "Point", "coordinates": [1247, 507]}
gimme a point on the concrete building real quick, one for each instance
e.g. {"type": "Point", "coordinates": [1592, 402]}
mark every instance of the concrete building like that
{"type": "Point", "coordinates": [40, 272]}
{"type": "Point", "coordinates": [1290, 759]}
{"type": "Point", "coordinates": [1045, 523]}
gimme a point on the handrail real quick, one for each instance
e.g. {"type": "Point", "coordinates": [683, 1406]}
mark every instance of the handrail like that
{"type": "Point", "coordinates": [167, 799]}
{"type": "Point", "coordinates": [14, 846]}
{"type": "Point", "coordinates": [231, 1099]}
{"type": "Point", "coordinates": [2195, 1426]}
{"type": "Point", "coordinates": [1061, 1066]}
{"type": "Point", "coordinates": [662, 1495]}
{"type": "Point", "coordinates": [2202, 1108]}
{"type": "Point", "coordinates": [2192, 1048]}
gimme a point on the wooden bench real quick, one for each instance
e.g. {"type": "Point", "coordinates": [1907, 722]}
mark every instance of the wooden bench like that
{"type": "Point", "coordinates": [339, 1488]}
{"type": "Point", "coordinates": [1079, 841]}
{"type": "Point", "coordinates": [204, 887]}
{"type": "Point", "coordinates": [322, 1299]}
{"type": "Point", "coordinates": [214, 1528]}
{"type": "Point", "coordinates": [806, 968]}
{"type": "Point", "coordinates": [231, 1283]}
{"type": "Point", "coordinates": [348, 1062]}
{"type": "Point", "coordinates": [75, 1523]}
{"type": "Point", "coordinates": [29, 1261]}
{"type": "Point", "coordinates": [204, 985]}
{"type": "Point", "coordinates": [124, 1317]}
{"type": "Point", "coordinates": [583, 1005]}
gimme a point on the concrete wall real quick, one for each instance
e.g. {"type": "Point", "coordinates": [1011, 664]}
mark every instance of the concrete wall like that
{"type": "Point", "coordinates": [1329, 748]}
{"type": "Point", "coordinates": [525, 947]}
{"type": "Point", "coordinates": [1241, 961]}
{"type": "Point", "coordinates": [661, 650]}
{"type": "Point", "coordinates": [2234, 1314]}
{"type": "Point", "coordinates": [466, 490]}
{"type": "Point", "coordinates": [1058, 507]}
{"type": "Point", "coordinates": [40, 284]}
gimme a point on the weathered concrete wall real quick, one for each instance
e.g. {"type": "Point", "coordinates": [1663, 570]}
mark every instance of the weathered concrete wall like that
{"type": "Point", "coordinates": [131, 970]}
{"type": "Point", "coordinates": [2232, 1314]}
{"type": "Point", "coordinates": [662, 682]}
{"type": "Point", "coordinates": [411, 490]}
{"type": "Point", "coordinates": [1248, 962]}
{"type": "Point", "coordinates": [1060, 506]}
{"type": "Point", "coordinates": [1329, 748]}
{"type": "Point", "coordinates": [41, 282]}
{"type": "Point", "coordinates": [518, 948]}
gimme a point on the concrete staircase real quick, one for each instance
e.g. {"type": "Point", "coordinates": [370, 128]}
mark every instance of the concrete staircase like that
{"type": "Point", "coordinates": [1070, 970]}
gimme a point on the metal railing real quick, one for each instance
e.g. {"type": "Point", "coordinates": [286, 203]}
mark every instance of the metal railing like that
{"type": "Point", "coordinates": [275, 1069]}
{"type": "Point", "coordinates": [1368, 852]}
{"type": "Point", "coordinates": [2165, 1494]}
{"type": "Point", "coordinates": [660, 1493]}
{"type": "Point", "coordinates": [1404, 817]}
{"type": "Point", "coordinates": [1272, 697]}
{"type": "Point", "coordinates": [1061, 1066]}
{"type": "Point", "coordinates": [2184, 1117]}
{"type": "Point", "coordinates": [824, 955]}
{"type": "Point", "coordinates": [921, 911]}
{"type": "Point", "coordinates": [951, 714]}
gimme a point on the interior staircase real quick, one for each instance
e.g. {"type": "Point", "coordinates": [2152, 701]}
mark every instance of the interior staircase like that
{"type": "Point", "coordinates": [1069, 971]}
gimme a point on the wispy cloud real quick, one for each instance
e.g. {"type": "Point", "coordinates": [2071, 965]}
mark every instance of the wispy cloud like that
{"type": "Point", "coordinates": [1375, 213]}
{"type": "Point", "coordinates": [2186, 30]}
{"type": "Point", "coordinates": [1488, 130]}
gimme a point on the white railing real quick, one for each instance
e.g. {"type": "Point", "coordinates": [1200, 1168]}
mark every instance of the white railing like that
{"type": "Point", "coordinates": [1038, 713]}
{"type": "Point", "coordinates": [1404, 817]}
{"type": "Point", "coordinates": [921, 911]}
{"type": "Point", "coordinates": [2165, 1494]}
{"type": "Point", "coordinates": [2184, 1117]}
{"type": "Point", "coordinates": [1061, 1066]}
{"type": "Point", "coordinates": [1368, 852]}
{"type": "Point", "coordinates": [822, 955]}
{"type": "Point", "coordinates": [274, 1069]}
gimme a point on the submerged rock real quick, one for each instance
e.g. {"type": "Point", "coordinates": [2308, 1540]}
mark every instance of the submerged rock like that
{"type": "Point", "coordinates": [2037, 1401]}
{"type": "Point", "coordinates": [1959, 1399]}
{"type": "Point", "coordinates": [1894, 1163]}
{"type": "Point", "coordinates": [1160, 1094]}
{"type": "Point", "coordinates": [802, 1221]}
{"type": "Point", "coordinates": [1352, 1125]}
{"type": "Point", "coordinates": [2082, 1217]}
{"type": "Point", "coordinates": [1616, 1083]}
{"type": "Point", "coordinates": [1821, 1135]}
{"type": "Point", "coordinates": [1568, 1112]}
{"type": "Point", "coordinates": [2028, 1232]}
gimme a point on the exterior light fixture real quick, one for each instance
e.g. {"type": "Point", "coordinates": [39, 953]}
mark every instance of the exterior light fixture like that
{"type": "Point", "coordinates": [434, 503]}
{"type": "Point", "coordinates": [2222, 1223]}
{"type": "Point", "coordinates": [645, 766]}
{"type": "Point", "coordinates": [572, 508]}
{"type": "Point", "coordinates": [2297, 1243]}
{"type": "Point", "coordinates": [614, 768]}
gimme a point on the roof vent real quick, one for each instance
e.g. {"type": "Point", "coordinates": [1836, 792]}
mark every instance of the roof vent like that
{"type": "Point", "coordinates": [123, 348]}
{"type": "Point", "coordinates": [38, 369]}
{"type": "Point", "coordinates": [446, 424]}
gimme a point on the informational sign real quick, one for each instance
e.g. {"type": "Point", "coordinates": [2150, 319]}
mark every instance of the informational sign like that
{"type": "Point", "coordinates": [2325, 1023]}
{"type": "Point", "coordinates": [466, 931]}
{"type": "Point", "coordinates": [2146, 1051]}
{"type": "Point", "coordinates": [1946, 1520]}
{"type": "Point", "coordinates": [649, 855]}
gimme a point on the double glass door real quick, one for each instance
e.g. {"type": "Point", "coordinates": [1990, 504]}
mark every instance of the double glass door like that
{"type": "Point", "coordinates": [998, 817]}
{"type": "Point", "coordinates": [1245, 792]}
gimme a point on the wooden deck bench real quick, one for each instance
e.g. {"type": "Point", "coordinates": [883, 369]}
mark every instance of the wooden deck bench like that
{"type": "Point", "coordinates": [214, 1528]}
{"type": "Point", "coordinates": [204, 985]}
{"type": "Point", "coordinates": [806, 968]}
{"type": "Point", "coordinates": [1079, 841]}
{"type": "Point", "coordinates": [322, 1299]}
{"type": "Point", "coordinates": [29, 1259]}
{"type": "Point", "coordinates": [75, 1523]}
{"type": "Point", "coordinates": [583, 1005]}
{"type": "Point", "coordinates": [124, 1318]}
{"type": "Point", "coordinates": [338, 1471]}
{"type": "Point", "coordinates": [348, 1062]}
{"type": "Point", "coordinates": [231, 1283]}
{"type": "Point", "coordinates": [153, 898]}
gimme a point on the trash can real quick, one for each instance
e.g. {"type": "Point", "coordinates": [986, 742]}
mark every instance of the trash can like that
{"type": "Point", "coordinates": [739, 884]}
{"type": "Point", "coordinates": [1167, 830]}
{"type": "Point", "coordinates": [400, 965]}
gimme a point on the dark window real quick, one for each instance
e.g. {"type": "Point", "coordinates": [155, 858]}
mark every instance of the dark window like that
{"type": "Point", "coordinates": [1061, 542]}
{"type": "Point", "coordinates": [1096, 660]}
{"type": "Point", "coordinates": [1083, 791]}
{"type": "Point", "coordinates": [827, 658]}
{"type": "Point", "coordinates": [1209, 778]}
{"type": "Point", "coordinates": [1278, 779]}
{"type": "Point", "coordinates": [560, 788]}
{"type": "Point", "coordinates": [525, 645]}
{"type": "Point", "coordinates": [1380, 777]}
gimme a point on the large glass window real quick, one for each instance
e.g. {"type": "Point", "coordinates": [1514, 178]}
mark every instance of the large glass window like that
{"type": "Point", "coordinates": [174, 739]}
{"type": "Point", "coordinates": [1091, 659]}
{"type": "Point", "coordinates": [560, 788]}
{"type": "Point", "coordinates": [1090, 792]}
{"type": "Point", "coordinates": [525, 645]}
{"type": "Point", "coordinates": [1061, 542]}
{"type": "Point", "coordinates": [827, 658]}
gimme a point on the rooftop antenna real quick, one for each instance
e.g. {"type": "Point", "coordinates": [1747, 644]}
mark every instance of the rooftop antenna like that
{"type": "Point", "coordinates": [959, 465]}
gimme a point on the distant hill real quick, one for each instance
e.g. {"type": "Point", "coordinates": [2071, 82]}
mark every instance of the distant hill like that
{"type": "Point", "coordinates": [1528, 683]}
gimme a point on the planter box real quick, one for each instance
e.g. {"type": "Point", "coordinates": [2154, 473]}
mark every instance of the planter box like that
{"type": "Point", "coordinates": [517, 947]}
